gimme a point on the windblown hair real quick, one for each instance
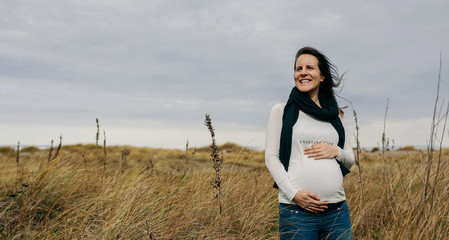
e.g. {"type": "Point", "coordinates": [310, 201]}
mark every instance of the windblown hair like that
{"type": "Point", "coordinates": [327, 69]}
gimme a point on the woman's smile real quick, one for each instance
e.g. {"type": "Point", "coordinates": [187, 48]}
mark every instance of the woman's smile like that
{"type": "Point", "coordinates": [304, 81]}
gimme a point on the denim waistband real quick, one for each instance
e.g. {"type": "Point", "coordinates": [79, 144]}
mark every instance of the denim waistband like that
{"type": "Point", "coordinates": [330, 207]}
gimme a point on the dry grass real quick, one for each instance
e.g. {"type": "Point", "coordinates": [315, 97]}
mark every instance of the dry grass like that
{"type": "Point", "coordinates": [395, 209]}
{"type": "Point", "coordinates": [167, 199]}
{"type": "Point", "coordinates": [158, 195]}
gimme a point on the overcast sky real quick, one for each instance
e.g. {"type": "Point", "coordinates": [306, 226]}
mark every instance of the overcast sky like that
{"type": "Point", "coordinates": [151, 70]}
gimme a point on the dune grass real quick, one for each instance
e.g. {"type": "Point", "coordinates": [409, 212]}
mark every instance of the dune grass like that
{"type": "Point", "coordinates": [156, 195]}
{"type": "Point", "coordinates": [162, 194]}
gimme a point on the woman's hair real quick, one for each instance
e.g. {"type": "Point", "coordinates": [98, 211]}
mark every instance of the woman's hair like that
{"type": "Point", "coordinates": [327, 69]}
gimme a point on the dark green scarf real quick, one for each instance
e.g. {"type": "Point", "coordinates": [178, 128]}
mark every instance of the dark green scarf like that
{"type": "Point", "coordinates": [301, 101]}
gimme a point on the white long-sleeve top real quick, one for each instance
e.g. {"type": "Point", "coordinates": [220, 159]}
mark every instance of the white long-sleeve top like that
{"type": "Point", "coordinates": [322, 177]}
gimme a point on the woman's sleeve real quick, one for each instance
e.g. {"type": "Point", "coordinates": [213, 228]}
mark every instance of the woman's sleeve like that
{"type": "Point", "coordinates": [346, 155]}
{"type": "Point", "coordinates": [272, 142]}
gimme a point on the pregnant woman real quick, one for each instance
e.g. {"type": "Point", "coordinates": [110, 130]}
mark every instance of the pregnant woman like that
{"type": "Point", "coordinates": [308, 152]}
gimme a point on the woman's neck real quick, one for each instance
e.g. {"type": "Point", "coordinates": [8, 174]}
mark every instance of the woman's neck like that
{"type": "Point", "coordinates": [315, 99]}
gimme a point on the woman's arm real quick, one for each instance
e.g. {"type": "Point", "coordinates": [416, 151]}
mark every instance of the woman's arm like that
{"type": "Point", "coordinates": [272, 160]}
{"type": "Point", "coordinates": [346, 155]}
{"type": "Point", "coordinates": [326, 151]}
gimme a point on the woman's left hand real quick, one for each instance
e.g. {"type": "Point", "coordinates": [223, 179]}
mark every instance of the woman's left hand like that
{"type": "Point", "coordinates": [321, 151]}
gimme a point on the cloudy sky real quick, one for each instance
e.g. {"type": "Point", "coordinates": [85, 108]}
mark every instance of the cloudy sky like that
{"type": "Point", "coordinates": [151, 70]}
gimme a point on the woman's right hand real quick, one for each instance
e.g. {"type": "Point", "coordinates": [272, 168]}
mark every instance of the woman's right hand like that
{"type": "Point", "coordinates": [309, 201]}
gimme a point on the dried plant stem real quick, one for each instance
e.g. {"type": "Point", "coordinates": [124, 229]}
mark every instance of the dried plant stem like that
{"type": "Point", "coordinates": [357, 153]}
{"type": "Point", "coordinates": [187, 151]}
{"type": "Point", "coordinates": [50, 152]}
{"type": "Point", "coordinates": [59, 148]}
{"type": "Point", "coordinates": [384, 139]}
{"type": "Point", "coordinates": [150, 165]}
{"type": "Point", "coordinates": [84, 160]}
{"type": "Point", "coordinates": [105, 154]}
{"type": "Point", "coordinates": [432, 139]}
{"type": "Point", "coordinates": [124, 156]}
{"type": "Point", "coordinates": [217, 160]}
{"type": "Point", "coordinates": [436, 179]}
{"type": "Point", "coordinates": [385, 142]}
{"type": "Point", "coordinates": [445, 115]}
{"type": "Point", "coordinates": [97, 137]}
{"type": "Point", "coordinates": [18, 159]}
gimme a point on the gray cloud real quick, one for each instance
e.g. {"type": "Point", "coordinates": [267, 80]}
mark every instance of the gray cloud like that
{"type": "Point", "coordinates": [63, 63]}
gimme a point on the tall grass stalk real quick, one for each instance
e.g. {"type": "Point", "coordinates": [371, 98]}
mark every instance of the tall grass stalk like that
{"type": "Point", "coordinates": [187, 151]}
{"type": "Point", "coordinates": [18, 160]}
{"type": "Point", "coordinates": [385, 147]}
{"type": "Point", "coordinates": [358, 149]}
{"type": "Point", "coordinates": [50, 151]}
{"type": "Point", "coordinates": [124, 155]}
{"type": "Point", "coordinates": [105, 154]}
{"type": "Point", "coordinates": [97, 137]}
{"type": "Point", "coordinates": [436, 179]}
{"type": "Point", "coordinates": [433, 132]}
{"type": "Point", "coordinates": [58, 148]}
{"type": "Point", "coordinates": [217, 181]}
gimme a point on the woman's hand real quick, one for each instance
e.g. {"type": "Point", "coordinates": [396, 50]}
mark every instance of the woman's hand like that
{"type": "Point", "coordinates": [321, 151]}
{"type": "Point", "coordinates": [309, 201]}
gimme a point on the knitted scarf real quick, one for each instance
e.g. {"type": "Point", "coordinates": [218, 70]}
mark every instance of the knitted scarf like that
{"type": "Point", "coordinates": [301, 101]}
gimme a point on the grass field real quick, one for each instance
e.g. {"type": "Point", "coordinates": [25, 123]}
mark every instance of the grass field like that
{"type": "Point", "coordinates": [144, 193]}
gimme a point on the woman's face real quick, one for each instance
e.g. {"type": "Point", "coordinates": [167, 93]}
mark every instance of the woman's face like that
{"type": "Point", "coordinates": [307, 75]}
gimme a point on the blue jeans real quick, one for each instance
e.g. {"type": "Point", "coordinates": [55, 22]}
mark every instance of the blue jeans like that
{"type": "Point", "coordinates": [296, 223]}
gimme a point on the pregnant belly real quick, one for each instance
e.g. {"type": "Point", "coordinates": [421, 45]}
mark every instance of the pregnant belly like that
{"type": "Point", "coordinates": [322, 177]}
